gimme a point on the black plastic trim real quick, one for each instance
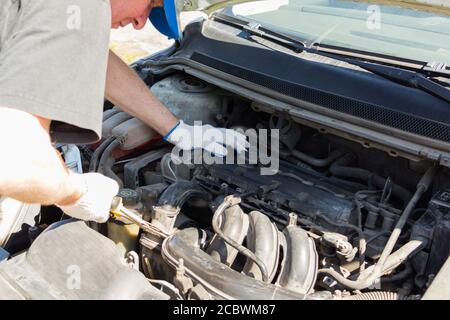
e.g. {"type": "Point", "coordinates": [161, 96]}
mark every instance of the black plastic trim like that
{"type": "Point", "coordinates": [372, 112]}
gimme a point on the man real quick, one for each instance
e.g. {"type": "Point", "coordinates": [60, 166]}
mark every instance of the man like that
{"type": "Point", "coordinates": [55, 69]}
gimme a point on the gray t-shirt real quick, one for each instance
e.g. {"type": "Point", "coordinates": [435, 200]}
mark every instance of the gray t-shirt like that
{"type": "Point", "coordinates": [53, 60]}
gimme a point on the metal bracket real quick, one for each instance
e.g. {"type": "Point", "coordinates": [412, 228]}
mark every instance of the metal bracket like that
{"type": "Point", "coordinates": [253, 27]}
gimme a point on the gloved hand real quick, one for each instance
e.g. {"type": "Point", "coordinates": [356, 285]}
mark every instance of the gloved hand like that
{"type": "Point", "coordinates": [207, 137]}
{"type": "Point", "coordinates": [95, 203]}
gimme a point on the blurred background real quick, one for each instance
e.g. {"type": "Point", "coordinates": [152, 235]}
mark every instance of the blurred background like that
{"type": "Point", "coordinates": [132, 45]}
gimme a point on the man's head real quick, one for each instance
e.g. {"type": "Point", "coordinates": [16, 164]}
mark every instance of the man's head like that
{"type": "Point", "coordinates": [136, 12]}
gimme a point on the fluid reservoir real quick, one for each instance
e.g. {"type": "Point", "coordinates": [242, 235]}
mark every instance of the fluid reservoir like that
{"type": "Point", "coordinates": [122, 232]}
{"type": "Point", "coordinates": [112, 122]}
{"type": "Point", "coordinates": [136, 133]}
{"type": "Point", "coordinates": [189, 98]}
{"type": "Point", "coordinates": [124, 235]}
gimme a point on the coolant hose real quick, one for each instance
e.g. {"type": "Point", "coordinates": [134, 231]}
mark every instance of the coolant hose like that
{"type": "Point", "coordinates": [341, 168]}
{"type": "Point", "coordinates": [181, 191]}
{"type": "Point", "coordinates": [107, 161]}
{"type": "Point", "coordinates": [315, 162]}
{"type": "Point", "coordinates": [399, 276]}
{"type": "Point", "coordinates": [97, 153]}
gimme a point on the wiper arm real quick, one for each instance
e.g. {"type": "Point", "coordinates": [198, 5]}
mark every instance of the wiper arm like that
{"type": "Point", "coordinates": [256, 29]}
{"type": "Point", "coordinates": [405, 77]}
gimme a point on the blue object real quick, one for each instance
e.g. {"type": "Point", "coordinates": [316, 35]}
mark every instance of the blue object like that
{"type": "Point", "coordinates": [165, 20]}
{"type": "Point", "coordinates": [4, 255]}
{"type": "Point", "coordinates": [171, 131]}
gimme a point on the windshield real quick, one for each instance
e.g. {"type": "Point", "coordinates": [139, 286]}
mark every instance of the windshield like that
{"type": "Point", "coordinates": [401, 28]}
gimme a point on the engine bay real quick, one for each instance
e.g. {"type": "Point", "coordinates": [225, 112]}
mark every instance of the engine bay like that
{"type": "Point", "coordinates": [338, 220]}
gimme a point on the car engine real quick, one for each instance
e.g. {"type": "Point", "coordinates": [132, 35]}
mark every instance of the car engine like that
{"type": "Point", "coordinates": [321, 227]}
{"type": "Point", "coordinates": [338, 220]}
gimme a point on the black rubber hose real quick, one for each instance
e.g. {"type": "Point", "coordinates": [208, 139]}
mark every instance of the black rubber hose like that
{"type": "Point", "coordinates": [341, 168]}
{"type": "Point", "coordinates": [315, 162]}
{"type": "Point", "coordinates": [178, 193]}
{"type": "Point", "coordinates": [98, 152]}
{"type": "Point", "coordinates": [378, 268]}
{"type": "Point", "coordinates": [376, 236]}
{"type": "Point", "coordinates": [399, 276]}
{"type": "Point", "coordinates": [107, 161]}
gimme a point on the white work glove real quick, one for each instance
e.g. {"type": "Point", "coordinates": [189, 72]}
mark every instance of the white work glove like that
{"type": "Point", "coordinates": [95, 203]}
{"type": "Point", "coordinates": [207, 137]}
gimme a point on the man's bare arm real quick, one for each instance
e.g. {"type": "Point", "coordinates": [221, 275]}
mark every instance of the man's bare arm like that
{"type": "Point", "coordinates": [31, 169]}
{"type": "Point", "coordinates": [125, 89]}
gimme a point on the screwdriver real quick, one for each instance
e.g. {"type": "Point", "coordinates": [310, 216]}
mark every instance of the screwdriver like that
{"type": "Point", "coordinates": [118, 210]}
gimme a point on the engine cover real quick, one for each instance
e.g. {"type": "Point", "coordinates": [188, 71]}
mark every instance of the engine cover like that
{"type": "Point", "coordinates": [60, 266]}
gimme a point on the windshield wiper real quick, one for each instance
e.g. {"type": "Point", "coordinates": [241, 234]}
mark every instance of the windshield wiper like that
{"type": "Point", "coordinates": [256, 29]}
{"type": "Point", "coordinates": [436, 69]}
{"type": "Point", "coordinates": [395, 73]}
{"type": "Point", "coordinates": [406, 77]}
{"type": "Point", "coordinates": [298, 45]}
{"type": "Point", "coordinates": [413, 79]}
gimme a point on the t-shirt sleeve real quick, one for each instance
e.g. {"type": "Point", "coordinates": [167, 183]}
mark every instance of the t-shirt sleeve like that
{"type": "Point", "coordinates": [53, 62]}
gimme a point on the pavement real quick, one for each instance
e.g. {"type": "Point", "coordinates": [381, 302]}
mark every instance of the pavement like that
{"type": "Point", "coordinates": [131, 45]}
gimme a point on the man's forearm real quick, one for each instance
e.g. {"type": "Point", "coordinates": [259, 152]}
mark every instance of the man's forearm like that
{"type": "Point", "coordinates": [125, 89]}
{"type": "Point", "coordinates": [31, 170]}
